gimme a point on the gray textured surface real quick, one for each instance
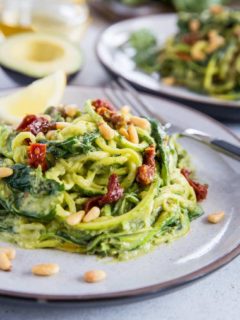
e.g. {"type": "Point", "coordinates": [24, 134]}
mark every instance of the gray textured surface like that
{"type": "Point", "coordinates": [215, 297]}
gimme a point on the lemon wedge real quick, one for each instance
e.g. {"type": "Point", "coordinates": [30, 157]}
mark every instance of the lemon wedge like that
{"type": "Point", "coordinates": [33, 99]}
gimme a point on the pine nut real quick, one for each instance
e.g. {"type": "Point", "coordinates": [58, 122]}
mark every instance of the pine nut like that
{"type": "Point", "coordinates": [169, 81]}
{"type": "Point", "coordinates": [5, 172]}
{"type": "Point", "coordinates": [124, 132]}
{"type": "Point", "coordinates": [133, 135]}
{"type": "Point", "coordinates": [198, 56]}
{"type": "Point", "coordinates": [50, 134]}
{"type": "Point", "coordinates": [215, 43]}
{"type": "Point", "coordinates": [10, 252]}
{"type": "Point", "coordinates": [40, 136]}
{"type": "Point", "coordinates": [216, 217]}
{"type": "Point", "coordinates": [70, 110]}
{"type": "Point", "coordinates": [212, 34]}
{"type": "Point", "coordinates": [94, 276]}
{"type": "Point", "coordinates": [125, 110]}
{"type": "Point", "coordinates": [236, 31]}
{"type": "Point", "coordinates": [106, 131]}
{"type": "Point", "coordinates": [216, 9]}
{"type": "Point", "coordinates": [62, 125]}
{"type": "Point", "coordinates": [45, 269]}
{"type": "Point", "coordinates": [5, 263]}
{"type": "Point", "coordinates": [194, 25]}
{"type": "Point", "coordinates": [92, 214]}
{"type": "Point", "coordinates": [198, 50]}
{"type": "Point", "coordinates": [141, 123]}
{"type": "Point", "coordinates": [75, 218]}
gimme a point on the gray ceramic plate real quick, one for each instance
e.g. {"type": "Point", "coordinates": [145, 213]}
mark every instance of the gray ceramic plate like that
{"type": "Point", "coordinates": [119, 61]}
{"type": "Point", "coordinates": [203, 250]}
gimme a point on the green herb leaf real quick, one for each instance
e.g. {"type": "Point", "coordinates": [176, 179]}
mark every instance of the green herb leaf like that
{"type": "Point", "coordinates": [158, 134]}
{"type": "Point", "coordinates": [142, 40]}
{"type": "Point", "coordinates": [26, 179]}
{"type": "Point", "coordinates": [72, 146]}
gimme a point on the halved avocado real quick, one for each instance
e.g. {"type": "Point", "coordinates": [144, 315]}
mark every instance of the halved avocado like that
{"type": "Point", "coordinates": [38, 55]}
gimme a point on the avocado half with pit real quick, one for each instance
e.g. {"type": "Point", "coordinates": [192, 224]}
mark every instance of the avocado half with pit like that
{"type": "Point", "coordinates": [38, 55]}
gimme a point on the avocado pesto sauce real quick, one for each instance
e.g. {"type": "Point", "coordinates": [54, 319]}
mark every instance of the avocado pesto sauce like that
{"type": "Point", "coordinates": [202, 56]}
{"type": "Point", "coordinates": [65, 166]}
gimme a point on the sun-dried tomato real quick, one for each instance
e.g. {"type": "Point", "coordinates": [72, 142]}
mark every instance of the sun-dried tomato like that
{"type": "Point", "coordinates": [37, 155]}
{"type": "Point", "coordinates": [114, 193]}
{"type": "Point", "coordinates": [146, 172]}
{"type": "Point", "coordinates": [27, 120]}
{"type": "Point", "coordinates": [35, 124]}
{"type": "Point", "coordinates": [105, 113]}
{"type": "Point", "coordinates": [149, 156]}
{"type": "Point", "coordinates": [109, 113]}
{"type": "Point", "coordinates": [200, 190]}
{"type": "Point", "coordinates": [184, 56]}
{"type": "Point", "coordinates": [99, 103]}
{"type": "Point", "coordinates": [191, 38]}
{"type": "Point", "coordinates": [92, 202]}
{"type": "Point", "coordinates": [118, 121]}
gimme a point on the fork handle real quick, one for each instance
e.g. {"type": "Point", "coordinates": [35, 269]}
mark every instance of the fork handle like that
{"type": "Point", "coordinates": [226, 147]}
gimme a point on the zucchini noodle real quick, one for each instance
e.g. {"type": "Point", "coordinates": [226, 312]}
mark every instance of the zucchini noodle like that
{"type": "Point", "coordinates": [203, 56]}
{"type": "Point", "coordinates": [36, 200]}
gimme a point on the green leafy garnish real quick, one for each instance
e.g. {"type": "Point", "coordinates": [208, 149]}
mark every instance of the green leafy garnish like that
{"type": "Point", "coordinates": [26, 179]}
{"type": "Point", "coordinates": [145, 45]}
{"type": "Point", "coordinates": [142, 40]}
{"type": "Point", "coordinates": [161, 146]}
{"type": "Point", "coordinates": [72, 146]}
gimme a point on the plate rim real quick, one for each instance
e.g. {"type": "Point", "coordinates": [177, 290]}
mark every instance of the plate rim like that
{"type": "Point", "coordinates": [207, 100]}
{"type": "Point", "coordinates": [133, 294]}
{"type": "Point", "coordinates": [142, 293]}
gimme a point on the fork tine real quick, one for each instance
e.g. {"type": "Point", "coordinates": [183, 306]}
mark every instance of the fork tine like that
{"type": "Point", "coordinates": [126, 99]}
{"type": "Point", "coordinates": [129, 98]}
{"type": "Point", "coordinates": [118, 97]}
{"type": "Point", "coordinates": [111, 96]}
{"type": "Point", "coordinates": [129, 95]}
{"type": "Point", "coordinates": [117, 91]}
{"type": "Point", "coordinates": [135, 95]}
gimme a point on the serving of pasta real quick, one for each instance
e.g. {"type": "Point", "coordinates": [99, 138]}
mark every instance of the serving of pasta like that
{"type": "Point", "coordinates": [101, 181]}
{"type": "Point", "coordinates": [203, 56]}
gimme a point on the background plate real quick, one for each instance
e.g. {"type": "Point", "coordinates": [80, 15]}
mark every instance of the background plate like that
{"type": "Point", "coordinates": [119, 63]}
{"type": "Point", "coordinates": [116, 10]}
{"type": "Point", "coordinates": [204, 249]}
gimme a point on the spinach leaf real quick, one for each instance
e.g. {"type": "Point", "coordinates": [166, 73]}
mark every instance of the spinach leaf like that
{"type": "Point", "coordinates": [27, 193]}
{"type": "Point", "coordinates": [80, 238]}
{"type": "Point", "coordinates": [72, 146]}
{"type": "Point", "coordinates": [26, 179]}
{"type": "Point", "coordinates": [5, 162]}
{"type": "Point", "coordinates": [41, 208]}
{"type": "Point", "coordinates": [158, 134]}
{"type": "Point", "coordinates": [195, 213]}
{"type": "Point", "coordinates": [6, 137]}
{"type": "Point", "coordinates": [146, 51]}
{"type": "Point", "coordinates": [196, 6]}
{"type": "Point", "coordinates": [59, 114]}
{"type": "Point", "coordinates": [142, 39]}
{"type": "Point", "coordinates": [56, 114]}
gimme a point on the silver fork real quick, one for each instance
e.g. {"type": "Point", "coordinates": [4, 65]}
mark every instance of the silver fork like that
{"type": "Point", "coordinates": [120, 92]}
